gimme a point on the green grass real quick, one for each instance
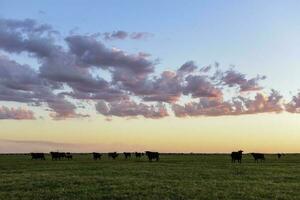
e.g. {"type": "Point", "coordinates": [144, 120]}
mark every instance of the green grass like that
{"type": "Point", "coordinates": [173, 177]}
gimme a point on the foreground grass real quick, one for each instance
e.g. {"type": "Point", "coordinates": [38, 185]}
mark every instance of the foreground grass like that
{"type": "Point", "coordinates": [173, 177]}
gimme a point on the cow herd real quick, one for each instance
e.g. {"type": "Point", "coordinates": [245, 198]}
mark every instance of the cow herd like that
{"type": "Point", "coordinates": [96, 156]}
{"type": "Point", "coordinates": [237, 156]}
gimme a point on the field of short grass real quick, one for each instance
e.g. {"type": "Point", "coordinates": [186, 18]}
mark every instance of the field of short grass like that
{"type": "Point", "coordinates": [173, 177]}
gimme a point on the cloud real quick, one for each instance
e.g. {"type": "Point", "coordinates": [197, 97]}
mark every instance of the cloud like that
{"type": "Point", "coordinates": [140, 35]}
{"type": "Point", "coordinates": [121, 35]}
{"type": "Point", "coordinates": [131, 109]}
{"type": "Point", "coordinates": [200, 86]}
{"type": "Point", "coordinates": [233, 78]}
{"type": "Point", "coordinates": [17, 36]}
{"type": "Point", "coordinates": [21, 146]}
{"type": "Point", "coordinates": [92, 52]}
{"type": "Point", "coordinates": [15, 113]}
{"type": "Point", "coordinates": [71, 70]}
{"type": "Point", "coordinates": [237, 106]}
{"type": "Point", "coordinates": [116, 35]}
{"type": "Point", "coordinates": [294, 105]}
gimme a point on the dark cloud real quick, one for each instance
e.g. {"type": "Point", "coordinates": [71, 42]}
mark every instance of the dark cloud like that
{"type": "Point", "coordinates": [17, 114]}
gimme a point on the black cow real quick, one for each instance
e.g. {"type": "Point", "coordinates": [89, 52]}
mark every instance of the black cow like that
{"type": "Point", "coordinates": [36, 156]}
{"type": "Point", "coordinates": [237, 155]}
{"type": "Point", "coordinates": [58, 155]}
{"type": "Point", "coordinates": [138, 155]}
{"type": "Point", "coordinates": [152, 155]}
{"type": "Point", "coordinates": [113, 155]}
{"type": "Point", "coordinates": [69, 156]}
{"type": "Point", "coordinates": [258, 156]}
{"type": "Point", "coordinates": [96, 156]}
{"type": "Point", "coordinates": [127, 155]}
{"type": "Point", "coordinates": [279, 155]}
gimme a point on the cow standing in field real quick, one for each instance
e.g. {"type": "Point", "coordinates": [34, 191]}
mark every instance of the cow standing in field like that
{"type": "Point", "coordinates": [54, 155]}
{"type": "Point", "coordinates": [152, 155]}
{"type": "Point", "coordinates": [237, 155]}
{"type": "Point", "coordinates": [279, 155]}
{"type": "Point", "coordinates": [97, 156]}
{"type": "Point", "coordinates": [258, 156]}
{"type": "Point", "coordinates": [127, 155]}
{"type": "Point", "coordinates": [36, 156]}
{"type": "Point", "coordinates": [138, 155]}
{"type": "Point", "coordinates": [69, 156]}
{"type": "Point", "coordinates": [113, 155]}
{"type": "Point", "coordinates": [58, 155]}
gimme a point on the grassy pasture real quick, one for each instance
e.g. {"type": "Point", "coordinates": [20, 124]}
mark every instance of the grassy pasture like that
{"type": "Point", "coordinates": [173, 177]}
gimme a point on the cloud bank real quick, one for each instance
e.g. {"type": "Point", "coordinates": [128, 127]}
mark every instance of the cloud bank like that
{"type": "Point", "coordinates": [71, 71]}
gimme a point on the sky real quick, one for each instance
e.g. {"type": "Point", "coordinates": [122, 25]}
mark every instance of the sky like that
{"type": "Point", "coordinates": [168, 76]}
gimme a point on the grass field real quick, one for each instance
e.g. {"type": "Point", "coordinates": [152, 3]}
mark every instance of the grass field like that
{"type": "Point", "coordinates": [173, 177]}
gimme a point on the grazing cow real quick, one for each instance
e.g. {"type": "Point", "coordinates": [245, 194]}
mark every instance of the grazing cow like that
{"type": "Point", "coordinates": [258, 156]}
{"type": "Point", "coordinates": [152, 155]}
{"type": "Point", "coordinates": [138, 155]}
{"type": "Point", "coordinates": [127, 155]}
{"type": "Point", "coordinates": [113, 155]}
{"type": "Point", "coordinates": [237, 155]}
{"type": "Point", "coordinates": [36, 156]}
{"type": "Point", "coordinates": [69, 156]}
{"type": "Point", "coordinates": [96, 156]}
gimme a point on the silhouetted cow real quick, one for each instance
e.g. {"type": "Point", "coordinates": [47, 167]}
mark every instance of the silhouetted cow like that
{"type": "Point", "coordinates": [36, 156]}
{"type": "Point", "coordinates": [113, 155]}
{"type": "Point", "coordinates": [237, 155]}
{"type": "Point", "coordinates": [127, 155]}
{"type": "Point", "coordinates": [138, 155]}
{"type": "Point", "coordinates": [152, 155]}
{"type": "Point", "coordinates": [279, 155]}
{"type": "Point", "coordinates": [96, 156]}
{"type": "Point", "coordinates": [258, 156]}
{"type": "Point", "coordinates": [69, 156]}
{"type": "Point", "coordinates": [58, 155]}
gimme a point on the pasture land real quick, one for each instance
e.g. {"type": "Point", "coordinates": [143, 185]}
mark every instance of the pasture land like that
{"type": "Point", "coordinates": [173, 177]}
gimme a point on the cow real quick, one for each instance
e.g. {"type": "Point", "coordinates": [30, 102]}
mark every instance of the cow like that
{"type": "Point", "coordinates": [279, 155]}
{"type": "Point", "coordinates": [69, 156]}
{"type": "Point", "coordinates": [127, 155]}
{"type": "Point", "coordinates": [96, 156]}
{"type": "Point", "coordinates": [113, 155]}
{"type": "Point", "coordinates": [138, 155]}
{"type": "Point", "coordinates": [258, 156]}
{"type": "Point", "coordinates": [36, 156]}
{"type": "Point", "coordinates": [237, 155]}
{"type": "Point", "coordinates": [58, 155]}
{"type": "Point", "coordinates": [152, 155]}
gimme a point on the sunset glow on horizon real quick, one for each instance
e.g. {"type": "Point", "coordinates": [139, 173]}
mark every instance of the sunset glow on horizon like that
{"type": "Point", "coordinates": [202, 77]}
